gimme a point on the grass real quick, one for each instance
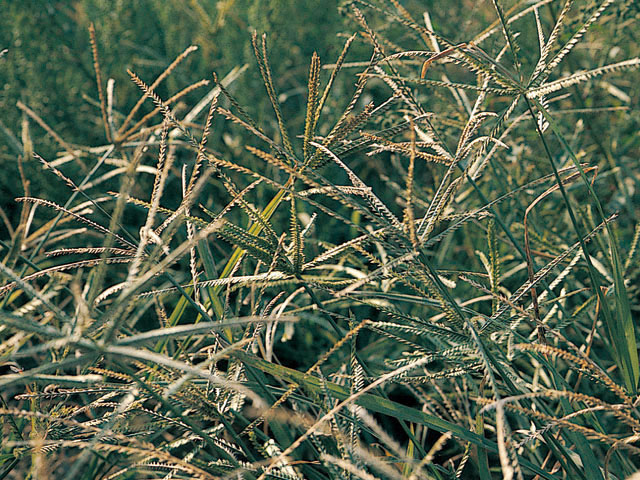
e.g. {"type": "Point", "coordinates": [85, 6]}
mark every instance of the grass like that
{"type": "Point", "coordinates": [415, 259]}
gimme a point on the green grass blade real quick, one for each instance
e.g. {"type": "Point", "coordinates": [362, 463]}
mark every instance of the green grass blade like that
{"type": "Point", "coordinates": [623, 311]}
{"type": "Point", "coordinates": [236, 256]}
{"type": "Point", "coordinates": [381, 405]}
{"type": "Point", "coordinates": [619, 325]}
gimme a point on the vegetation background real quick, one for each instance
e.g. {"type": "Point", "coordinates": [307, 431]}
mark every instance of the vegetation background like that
{"type": "Point", "coordinates": [390, 279]}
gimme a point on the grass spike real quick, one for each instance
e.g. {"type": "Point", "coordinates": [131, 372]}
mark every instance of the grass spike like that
{"type": "Point", "coordinates": [312, 104]}
{"type": "Point", "coordinates": [260, 51]}
{"type": "Point", "coordinates": [98, 72]}
{"type": "Point", "coordinates": [165, 73]}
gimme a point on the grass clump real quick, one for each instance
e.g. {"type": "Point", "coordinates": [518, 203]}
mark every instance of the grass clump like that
{"type": "Point", "coordinates": [423, 267]}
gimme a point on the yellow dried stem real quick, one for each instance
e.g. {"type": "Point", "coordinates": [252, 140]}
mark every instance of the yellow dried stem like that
{"type": "Point", "coordinates": [66, 146]}
{"type": "Point", "coordinates": [442, 54]}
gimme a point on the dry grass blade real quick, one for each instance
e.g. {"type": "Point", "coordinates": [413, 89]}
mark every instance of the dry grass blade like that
{"type": "Point", "coordinates": [68, 148]}
{"type": "Point", "coordinates": [442, 54]}
{"type": "Point", "coordinates": [98, 72]}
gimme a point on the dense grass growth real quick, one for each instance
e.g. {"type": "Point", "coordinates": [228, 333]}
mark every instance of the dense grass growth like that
{"type": "Point", "coordinates": [383, 239]}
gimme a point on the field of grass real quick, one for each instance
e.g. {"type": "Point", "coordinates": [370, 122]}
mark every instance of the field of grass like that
{"type": "Point", "coordinates": [368, 239]}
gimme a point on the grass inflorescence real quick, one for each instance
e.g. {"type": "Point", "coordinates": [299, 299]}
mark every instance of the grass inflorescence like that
{"type": "Point", "coordinates": [415, 259]}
